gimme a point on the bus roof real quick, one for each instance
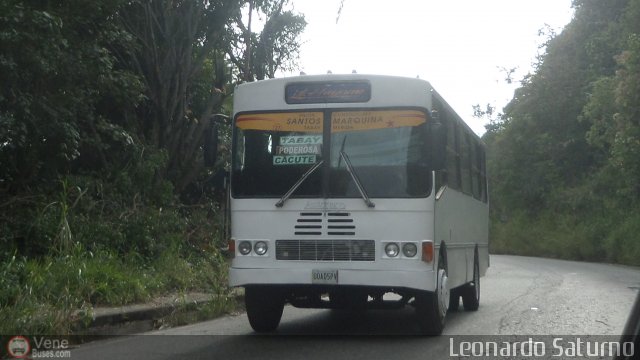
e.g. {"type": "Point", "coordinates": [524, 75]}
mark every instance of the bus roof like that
{"type": "Point", "coordinates": [386, 91]}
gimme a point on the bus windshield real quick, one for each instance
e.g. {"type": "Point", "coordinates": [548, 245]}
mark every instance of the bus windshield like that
{"type": "Point", "coordinates": [386, 148]}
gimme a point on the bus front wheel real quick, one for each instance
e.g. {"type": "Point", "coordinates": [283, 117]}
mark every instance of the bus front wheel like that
{"type": "Point", "coordinates": [264, 307]}
{"type": "Point", "coordinates": [431, 307]}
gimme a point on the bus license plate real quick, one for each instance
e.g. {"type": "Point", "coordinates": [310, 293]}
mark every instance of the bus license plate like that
{"type": "Point", "coordinates": [324, 276]}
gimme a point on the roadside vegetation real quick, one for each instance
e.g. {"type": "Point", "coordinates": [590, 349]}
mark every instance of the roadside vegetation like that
{"type": "Point", "coordinates": [564, 156]}
{"type": "Point", "coordinates": [104, 107]}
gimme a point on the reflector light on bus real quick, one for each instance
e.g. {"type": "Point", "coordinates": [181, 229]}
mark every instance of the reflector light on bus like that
{"type": "Point", "coordinates": [232, 247]}
{"type": "Point", "coordinates": [427, 251]}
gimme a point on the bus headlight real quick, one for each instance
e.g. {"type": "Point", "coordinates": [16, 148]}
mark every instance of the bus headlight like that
{"type": "Point", "coordinates": [409, 249]}
{"type": "Point", "coordinates": [244, 247]}
{"type": "Point", "coordinates": [392, 249]}
{"type": "Point", "coordinates": [260, 247]}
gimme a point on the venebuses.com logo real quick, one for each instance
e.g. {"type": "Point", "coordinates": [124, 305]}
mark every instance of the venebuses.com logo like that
{"type": "Point", "coordinates": [22, 347]}
{"type": "Point", "coordinates": [18, 347]}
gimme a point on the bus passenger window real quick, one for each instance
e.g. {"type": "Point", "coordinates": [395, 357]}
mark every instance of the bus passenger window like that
{"type": "Point", "coordinates": [453, 160]}
{"type": "Point", "coordinates": [465, 166]}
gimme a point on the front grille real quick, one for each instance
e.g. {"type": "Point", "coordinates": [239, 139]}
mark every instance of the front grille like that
{"type": "Point", "coordinates": [309, 223]}
{"type": "Point", "coordinates": [337, 223]}
{"type": "Point", "coordinates": [326, 250]}
{"type": "Point", "coordinates": [340, 224]}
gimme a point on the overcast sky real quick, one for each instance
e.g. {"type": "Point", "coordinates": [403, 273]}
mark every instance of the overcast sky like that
{"type": "Point", "coordinates": [457, 45]}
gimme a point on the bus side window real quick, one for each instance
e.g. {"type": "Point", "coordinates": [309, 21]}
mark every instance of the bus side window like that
{"type": "Point", "coordinates": [483, 174]}
{"type": "Point", "coordinates": [465, 166]}
{"type": "Point", "coordinates": [475, 169]}
{"type": "Point", "coordinates": [453, 157]}
{"type": "Point", "coordinates": [480, 176]}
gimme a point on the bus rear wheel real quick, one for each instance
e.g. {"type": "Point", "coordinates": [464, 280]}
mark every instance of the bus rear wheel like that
{"type": "Point", "coordinates": [264, 307]}
{"type": "Point", "coordinates": [471, 291]}
{"type": "Point", "coordinates": [431, 307]}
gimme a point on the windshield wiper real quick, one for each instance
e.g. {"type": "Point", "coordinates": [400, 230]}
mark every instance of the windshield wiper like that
{"type": "Point", "coordinates": [293, 188]}
{"type": "Point", "coordinates": [354, 176]}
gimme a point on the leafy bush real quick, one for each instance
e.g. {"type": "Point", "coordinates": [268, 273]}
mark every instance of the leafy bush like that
{"type": "Point", "coordinates": [603, 236]}
{"type": "Point", "coordinates": [44, 296]}
{"type": "Point", "coordinates": [623, 242]}
{"type": "Point", "coordinates": [94, 242]}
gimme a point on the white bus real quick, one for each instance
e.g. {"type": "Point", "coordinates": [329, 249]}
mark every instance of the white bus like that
{"type": "Point", "coordinates": [345, 188]}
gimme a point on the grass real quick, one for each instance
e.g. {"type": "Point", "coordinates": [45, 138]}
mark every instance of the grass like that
{"type": "Point", "coordinates": [41, 296]}
{"type": "Point", "coordinates": [106, 235]}
{"type": "Point", "coordinates": [188, 313]}
{"type": "Point", "coordinates": [98, 241]}
{"type": "Point", "coordinates": [602, 236]}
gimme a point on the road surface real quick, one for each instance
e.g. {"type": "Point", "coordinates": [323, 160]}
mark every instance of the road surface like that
{"type": "Point", "coordinates": [519, 296]}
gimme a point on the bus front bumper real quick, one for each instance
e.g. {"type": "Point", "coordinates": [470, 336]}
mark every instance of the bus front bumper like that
{"type": "Point", "coordinates": [418, 280]}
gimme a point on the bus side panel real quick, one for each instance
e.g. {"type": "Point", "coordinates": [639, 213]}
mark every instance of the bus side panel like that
{"type": "Point", "coordinates": [483, 253]}
{"type": "Point", "coordinates": [461, 222]}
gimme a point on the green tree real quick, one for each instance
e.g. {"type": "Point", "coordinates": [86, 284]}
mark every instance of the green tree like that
{"type": "Point", "coordinates": [178, 44]}
{"type": "Point", "coordinates": [65, 107]}
{"type": "Point", "coordinates": [563, 159]}
{"type": "Point", "coordinates": [613, 114]}
{"type": "Point", "coordinates": [543, 142]}
{"type": "Point", "coordinates": [62, 93]}
{"type": "Point", "coordinates": [276, 47]}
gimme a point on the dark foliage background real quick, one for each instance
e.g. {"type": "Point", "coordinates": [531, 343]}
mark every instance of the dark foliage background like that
{"type": "Point", "coordinates": [104, 197]}
{"type": "Point", "coordinates": [564, 157]}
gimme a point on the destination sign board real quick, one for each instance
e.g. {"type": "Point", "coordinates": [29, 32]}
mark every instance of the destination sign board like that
{"type": "Point", "coordinates": [312, 122]}
{"type": "Point", "coordinates": [370, 120]}
{"type": "Point", "coordinates": [298, 150]}
{"type": "Point", "coordinates": [328, 92]}
{"type": "Point", "coordinates": [289, 121]}
{"type": "Point", "coordinates": [294, 159]}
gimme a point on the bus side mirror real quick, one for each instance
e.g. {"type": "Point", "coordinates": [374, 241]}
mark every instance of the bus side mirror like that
{"type": "Point", "coordinates": [438, 146]}
{"type": "Point", "coordinates": [211, 145]}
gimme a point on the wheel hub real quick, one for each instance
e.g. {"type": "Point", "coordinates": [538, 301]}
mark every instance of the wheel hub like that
{"type": "Point", "coordinates": [476, 283]}
{"type": "Point", "coordinates": [443, 291]}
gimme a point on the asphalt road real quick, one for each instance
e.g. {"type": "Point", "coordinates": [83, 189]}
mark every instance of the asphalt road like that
{"type": "Point", "coordinates": [519, 296]}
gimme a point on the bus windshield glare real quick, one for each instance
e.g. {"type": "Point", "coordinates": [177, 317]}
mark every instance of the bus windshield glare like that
{"type": "Point", "coordinates": [272, 151]}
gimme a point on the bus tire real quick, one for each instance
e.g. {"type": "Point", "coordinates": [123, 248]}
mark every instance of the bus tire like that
{"type": "Point", "coordinates": [431, 307]}
{"type": "Point", "coordinates": [471, 291]}
{"type": "Point", "coordinates": [264, 308]}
